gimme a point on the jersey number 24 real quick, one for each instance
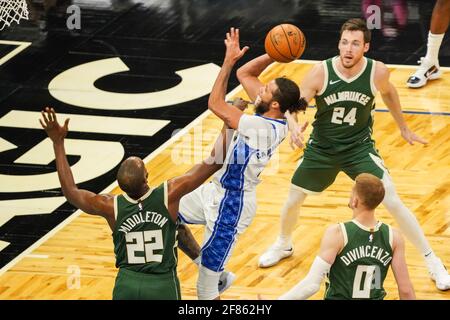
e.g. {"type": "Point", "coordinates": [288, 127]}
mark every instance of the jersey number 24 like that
{"type": "Point", "coordinates": [339, 116]}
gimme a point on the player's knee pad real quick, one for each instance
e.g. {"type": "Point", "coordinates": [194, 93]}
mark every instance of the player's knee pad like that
{"type": "Point", "coordinates": [391, 199]}
{"type": "Point", "coordinates": [207, 284]}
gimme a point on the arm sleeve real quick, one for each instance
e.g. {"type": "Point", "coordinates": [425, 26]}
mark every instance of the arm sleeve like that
{"type": "Point", "coordinates": [311, 283]}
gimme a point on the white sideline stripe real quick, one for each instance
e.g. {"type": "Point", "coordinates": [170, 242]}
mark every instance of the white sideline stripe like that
{"type": "Point", "coordinates": [69, 219]}
{"type": "Point", "coordinates": [398, 66]}
{"type": "Point", "coordinates": [86, 123]}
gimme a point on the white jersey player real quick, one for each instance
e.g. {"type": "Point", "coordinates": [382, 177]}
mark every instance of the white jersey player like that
{"type": "Point", "coordinates": [227, 205]}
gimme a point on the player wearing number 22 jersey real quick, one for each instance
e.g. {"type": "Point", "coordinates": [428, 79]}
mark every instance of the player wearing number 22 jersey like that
{"type": "Point", "coordinates": [143, 220]}
{"type": "Point", "coordinates": [145, 241]}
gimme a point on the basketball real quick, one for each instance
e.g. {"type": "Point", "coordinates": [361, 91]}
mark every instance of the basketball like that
{"type": "Point", "coordinates": [285, 43]}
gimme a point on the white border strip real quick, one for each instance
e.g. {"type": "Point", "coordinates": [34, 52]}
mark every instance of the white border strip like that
{"type": "Point", "coordinates": [150, 157]}
{"type": "Point", "coordinates": [21, 46]}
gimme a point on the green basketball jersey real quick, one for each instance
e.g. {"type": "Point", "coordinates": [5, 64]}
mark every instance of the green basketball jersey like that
{"type": "Point", "coordinates": [344, 109]}
{"type": "Point", "coordinates": [361, 267]}
{"type": "Point", "coordinates": [145, 236]}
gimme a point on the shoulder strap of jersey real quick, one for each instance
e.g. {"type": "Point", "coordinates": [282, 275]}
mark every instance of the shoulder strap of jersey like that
{"type": "Point", "coordinates": [391, 236]}
{"type": "Point", "coordinates": [325, 65]}
{"type": "Point", "coordinates": [116, 207]}
{"type": "Point", "coordinates": [344, 233]}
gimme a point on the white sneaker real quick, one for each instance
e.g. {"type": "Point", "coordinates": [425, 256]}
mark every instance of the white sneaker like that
{"type": "Point", "coordinates": [274, 254]}
{"type": "Point", "coordinates": [225, 280]}
{"type": "Point", "coordinates": [439, 274]}
{"type": "Point", "coordinates": [427, 70]}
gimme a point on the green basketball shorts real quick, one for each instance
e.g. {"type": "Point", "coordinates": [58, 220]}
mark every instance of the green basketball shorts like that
{"type": "Point", "coordinates": [131, 285]}
{"type": "Point", "coordinates": [317, 170]}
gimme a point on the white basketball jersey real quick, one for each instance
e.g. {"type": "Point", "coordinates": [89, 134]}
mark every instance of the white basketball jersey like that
{"type": "Point", "coordinates": [254, 142]}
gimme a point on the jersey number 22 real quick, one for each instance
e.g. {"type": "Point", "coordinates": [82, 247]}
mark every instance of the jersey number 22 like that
{"type": "Point", "coordinates": [146, 242]}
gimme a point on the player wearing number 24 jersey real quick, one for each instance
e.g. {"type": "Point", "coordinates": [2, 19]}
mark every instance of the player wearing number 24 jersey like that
{"type": "Point", "coordinates": [344, 88]}
{"type": "Point", "coordinates": [144, 220]}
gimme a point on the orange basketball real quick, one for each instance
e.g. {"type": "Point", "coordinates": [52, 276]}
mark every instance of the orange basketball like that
{"type": "Point", "coordinates": [285, 43]}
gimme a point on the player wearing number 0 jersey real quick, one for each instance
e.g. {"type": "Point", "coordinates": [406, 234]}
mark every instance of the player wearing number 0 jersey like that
{"type": "Point", "coordinates": [344, 88]}
{"type": "Point", "coordinates": [359, 270]}
{"type": "Point", "coordinates": [355, 256]}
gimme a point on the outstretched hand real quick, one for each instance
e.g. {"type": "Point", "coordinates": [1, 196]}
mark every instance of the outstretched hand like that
{"type": "Point", "coordinates": [234, 51]}
{"type": "Point", "coordinates": [240, 103]}
{"type": "Point", "coordinates": [297, 137]}
{"type": "Point", "coordinates": [54, 130]}
{"type": "Point", "coordinates": [410, 136]}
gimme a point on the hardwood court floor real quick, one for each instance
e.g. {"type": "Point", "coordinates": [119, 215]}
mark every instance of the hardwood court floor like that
{"type": "Point", "coordinates": [421, 174]}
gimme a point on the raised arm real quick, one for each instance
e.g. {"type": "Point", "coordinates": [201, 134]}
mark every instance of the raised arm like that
{"type": "Point", "coordinates": [248, 75]}
{"type": "Point", "coordinates": [197, 175]}
{"type": "Point", "coordinates": [89, 202]}
{"type": "Point", "coordinates": [311, 84]}
{"type": "Point", "coordinates": [216, 102]}
{"type": "Point", "coordinates": [400, 269]}
{"type": "Point", "coordinates": [332, 244]}
{"type": "Point", "coordinates": [390, 97]}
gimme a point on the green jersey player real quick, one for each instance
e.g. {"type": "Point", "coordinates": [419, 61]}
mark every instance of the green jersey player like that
{"type": "Point", "coordinates": [355, 256]}
{"type": "Point", "coordinates": [344, 88]}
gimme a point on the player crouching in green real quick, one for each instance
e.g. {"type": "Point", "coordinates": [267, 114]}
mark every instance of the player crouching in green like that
{"type": "Point", "coordinates": [356, 255]}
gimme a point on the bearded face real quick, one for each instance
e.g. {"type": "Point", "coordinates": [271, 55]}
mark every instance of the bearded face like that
{"type": "Point", "coordinates": [261, 107]}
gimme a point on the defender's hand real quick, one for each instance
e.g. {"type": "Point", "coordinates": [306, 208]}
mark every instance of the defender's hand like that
{"type": "Point", "coordinates": [240, 103]}
{"type": "Point", "coordinates": [410, 136]}
{"type": "Point", "coordinates": [297, 138]}
{"type": "Point", "coordinates": [54, 130]}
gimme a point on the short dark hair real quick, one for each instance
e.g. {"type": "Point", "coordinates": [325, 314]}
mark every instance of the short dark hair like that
{"type": "Point", "coordinates": [130, 175]}
{"type": "Point", "coordinates": [357, 24]}
{"type": "Point", "coordinates": [370, 190]}
{"type": "Point", "coordinates": [288, 96]}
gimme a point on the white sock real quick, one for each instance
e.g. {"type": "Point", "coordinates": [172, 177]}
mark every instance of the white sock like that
{"type": "Point", "coordinates": [289, 215]}
{"type": "Point", "coordinates": [207, 282]}
{"type": "Point", "coordinates": [405, 218]}
{"type": "Point", "coordinates": [433, 45]}
{"type": "Point", "coordinates": [430, 257]}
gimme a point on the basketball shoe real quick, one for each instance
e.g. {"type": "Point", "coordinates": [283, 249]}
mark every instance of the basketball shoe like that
{"type": "Point", "coordinates": [278, 251]}
{"type": "Point", "coordinates": [428, 70]}
{"type": "Point", "coordinates": [439, 274]}
{"type": "Point", "coordinates": [225, 280]}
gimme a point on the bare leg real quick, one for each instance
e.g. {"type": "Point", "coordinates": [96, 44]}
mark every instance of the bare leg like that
{"type": "Point", "coordinates": [429, 65]}
{"type": "Point", "coordinates": [440, 18]}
